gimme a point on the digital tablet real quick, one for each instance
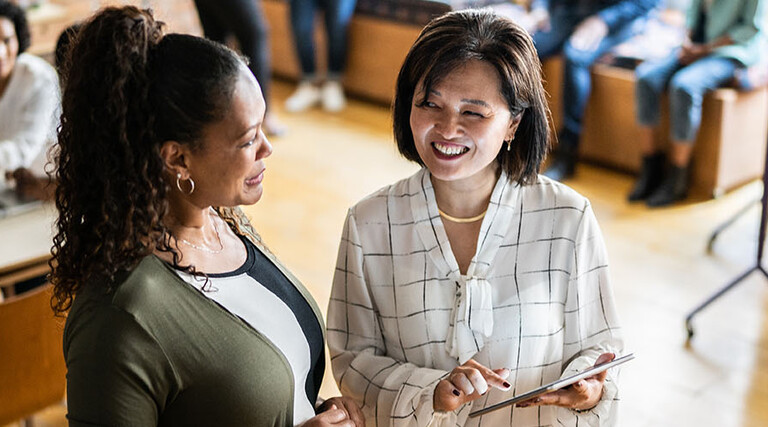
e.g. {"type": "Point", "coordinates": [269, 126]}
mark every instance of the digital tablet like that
{"type": "Point", "coordinates": [555, 385]}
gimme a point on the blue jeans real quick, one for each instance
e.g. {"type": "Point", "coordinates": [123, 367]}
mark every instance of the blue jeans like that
{"type": "Point", "coordinates": [686, 86]}
{"type": "Point", "coordinates": [577, 82]}
{"type": "Point", "coordinates": [338, 13]}
{"type": "Point", "coordinates": [243, 19]}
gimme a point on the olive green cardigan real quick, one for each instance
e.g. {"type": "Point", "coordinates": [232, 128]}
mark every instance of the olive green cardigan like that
{"type": "Point", "coordinates": [156, 352]}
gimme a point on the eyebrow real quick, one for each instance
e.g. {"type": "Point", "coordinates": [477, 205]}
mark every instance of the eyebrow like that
{"type": "Point", "coordinates": [469, 101]}
{"type": "Point", "coordinates": [476, 102]}
{"type": "Point", "coordinates": [249, 129]}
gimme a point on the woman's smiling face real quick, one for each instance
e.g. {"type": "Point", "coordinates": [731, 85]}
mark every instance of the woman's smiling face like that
{"type": "Point", "coordinates": [229, 167]}
{"type": "Point", "coordinates": [461, 124]}
{"type": "Point", "coordinates": [9, 48]}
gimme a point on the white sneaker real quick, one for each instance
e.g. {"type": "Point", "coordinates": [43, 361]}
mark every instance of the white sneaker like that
{"type": "Point", "coordinates": [333, 97]}
{"type": "Point", "coordinates": [307, 95]}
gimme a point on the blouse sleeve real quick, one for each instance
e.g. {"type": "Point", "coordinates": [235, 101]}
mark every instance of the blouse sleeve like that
{"type": "Point", "coordinates": [390, 392]}
{"type": "Point", "coordinates": [591, 322]}
{"type": "Point", "coordinates": [32, 126]}
{"type": "Point", "coordinates": [118, 374]}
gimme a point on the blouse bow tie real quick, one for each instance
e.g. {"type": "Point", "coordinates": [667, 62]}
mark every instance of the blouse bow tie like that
{"type": "Point", "coordinates": [471, 318]}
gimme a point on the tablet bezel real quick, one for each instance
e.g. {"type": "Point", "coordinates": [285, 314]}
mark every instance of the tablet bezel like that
{"type": "Point", "coordinates": [555, 385]}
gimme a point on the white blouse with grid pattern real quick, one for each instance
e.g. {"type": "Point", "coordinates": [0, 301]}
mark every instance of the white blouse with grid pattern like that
{"type": "Point", "coordinates": [400, 314]}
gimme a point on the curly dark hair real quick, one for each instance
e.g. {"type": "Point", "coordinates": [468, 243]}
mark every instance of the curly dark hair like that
{"type": "Point", "coordinates": [63, 46]}
{"type": "Point", "coordinates": [16, 15]}
{"type": "Point", "coordinates": [129, 88]}
{"type": "Point", "coordinates": [479, 34]}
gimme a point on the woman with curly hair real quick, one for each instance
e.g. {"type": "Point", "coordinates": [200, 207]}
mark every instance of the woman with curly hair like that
{"type": "Point", "coordinates": [29, 95]}
{"type": "Point", "coordinates": [177, 313]}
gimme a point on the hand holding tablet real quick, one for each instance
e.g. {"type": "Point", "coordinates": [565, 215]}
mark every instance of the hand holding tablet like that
{"type": "Point", "coordinates": [527, 398]}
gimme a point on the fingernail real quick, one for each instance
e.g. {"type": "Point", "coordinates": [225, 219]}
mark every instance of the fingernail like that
{"type": "Point", "coordinates": [506, 384]}
{"type": "Point", "coordinates": [456, 392]}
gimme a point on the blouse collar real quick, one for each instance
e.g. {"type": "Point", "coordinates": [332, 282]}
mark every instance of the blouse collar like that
{"type": "Point", "coordinates": [472, 317]}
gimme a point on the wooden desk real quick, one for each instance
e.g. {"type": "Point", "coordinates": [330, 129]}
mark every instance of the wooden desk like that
{"type": "Point", "coordinates": [25, 244]}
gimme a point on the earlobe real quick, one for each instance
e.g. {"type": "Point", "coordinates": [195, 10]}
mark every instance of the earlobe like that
{"type": "Point", "coordinates": [513, 125]}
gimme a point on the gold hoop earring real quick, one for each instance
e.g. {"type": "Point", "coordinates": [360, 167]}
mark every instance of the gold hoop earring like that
{"type": "Point", "coordinates": [191, 183]}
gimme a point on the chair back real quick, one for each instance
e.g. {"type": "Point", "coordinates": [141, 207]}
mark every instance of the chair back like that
{"type": "Point", "coordinates": [32, 369]}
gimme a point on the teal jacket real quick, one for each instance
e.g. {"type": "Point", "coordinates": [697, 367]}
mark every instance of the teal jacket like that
{"type": "Point", "coordinates": [743, 20]}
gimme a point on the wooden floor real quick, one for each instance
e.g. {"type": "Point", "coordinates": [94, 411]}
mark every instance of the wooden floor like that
{"type": "Point", "coordinates": [659, 266]}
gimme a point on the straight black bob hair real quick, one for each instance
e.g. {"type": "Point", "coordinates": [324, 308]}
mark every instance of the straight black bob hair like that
{"type": "Point", "coordinates": [457, 37]}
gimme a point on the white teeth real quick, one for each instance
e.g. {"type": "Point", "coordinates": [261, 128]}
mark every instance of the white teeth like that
{"type": "Point", "coordinates": [451, 150]}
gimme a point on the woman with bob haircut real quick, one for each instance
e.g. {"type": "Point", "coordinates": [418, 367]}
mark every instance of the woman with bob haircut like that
{"type": "Point", "coordinates": [177, 312]}
{"type": "Point", "coordinates": [475, 279]}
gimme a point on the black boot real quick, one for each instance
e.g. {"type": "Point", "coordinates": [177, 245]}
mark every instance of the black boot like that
{"type": "Point", "coordinates": [651, 175]}
{"type": "Point", "coordinates": [673, 188]}
{"type": "Point", "coordinates": [564, 164]}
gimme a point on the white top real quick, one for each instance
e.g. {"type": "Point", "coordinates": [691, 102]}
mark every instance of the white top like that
{"type": "Point", "coordinates": [28, 114]}
{"type": "Point", "coordinates": [536, 300]}
{"type": "Point", "coordinates": [242, 295]}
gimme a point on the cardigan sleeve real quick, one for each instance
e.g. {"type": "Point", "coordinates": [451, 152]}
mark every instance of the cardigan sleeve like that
{"type": "Point", "coordinates": [591, 322]}
{"type": "Point", "coordinates": [118, 375]}
{"type": "Point", "coordinates": [390, 392]}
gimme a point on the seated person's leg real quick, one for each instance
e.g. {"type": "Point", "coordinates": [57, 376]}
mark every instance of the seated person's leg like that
{"type": "Point", "coordinates": [307, 94]}
{"type": "Point", "coordinates": [686, 95]}
{"type": "Point", "coordinates": [338, 14]}
{"type": "Point", "coordinates": [550, 42]}
{"type": "Point", "coordinates": [651, 82]}
{"type": "Point", "coordinates": [577, 85]}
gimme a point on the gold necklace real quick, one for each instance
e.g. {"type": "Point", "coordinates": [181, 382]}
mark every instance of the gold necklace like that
{"type": "Point", "coordinates": [462, 220]}
{"type": "Point", "coordinates": [203, 248]}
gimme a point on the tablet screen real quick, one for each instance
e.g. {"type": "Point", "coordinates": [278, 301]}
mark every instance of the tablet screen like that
{"type": "Point", "coordinates": [555, 385]}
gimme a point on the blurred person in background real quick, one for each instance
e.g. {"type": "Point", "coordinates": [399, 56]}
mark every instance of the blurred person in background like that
{"type": "Point", "coordinates": [29, 97]}
{"type": "Point", "coordinates": [582, 31]}
{"type": "Point", "coordinates": [243, 19]}
{"type": "Point", "coordinates": [724, 37]}
{"type": "Point", "coordinates": [36, 183]}
{"type": "Point", "coordinates": [311, 90]}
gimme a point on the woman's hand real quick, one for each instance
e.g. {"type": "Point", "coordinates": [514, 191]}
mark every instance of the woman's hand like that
{"type": "Point", "coordinates": [333, 416]}
{"type": "Point", "coordinates": [467, 383]}
{"type": "Point", "coordinates": [691, 52]}
{"type": "Point", "coordinates": [347, 405]}
{"type": "Point", "coordinates": [582, 395]}
{"type": "Point", "coordinates": [29, 186]}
